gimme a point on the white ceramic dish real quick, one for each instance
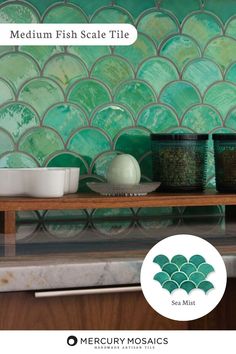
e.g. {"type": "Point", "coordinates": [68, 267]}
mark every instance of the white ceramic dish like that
{"type": "Point", "coordinates": [123, 189]}
{"type": "Point", "coordinates": [41, 182]}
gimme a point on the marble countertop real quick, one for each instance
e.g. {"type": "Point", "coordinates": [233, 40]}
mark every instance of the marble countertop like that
{"type": "Point", "coordinates": [83, 270]}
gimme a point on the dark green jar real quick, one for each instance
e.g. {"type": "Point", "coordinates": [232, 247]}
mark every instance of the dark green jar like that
{"type": "Point", "coordinates": [179, 161]}
{"type": "Point", "coordinates": [225, 162]}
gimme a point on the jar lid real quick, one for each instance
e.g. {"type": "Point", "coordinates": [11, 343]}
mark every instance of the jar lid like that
{"type": "Point", "coordinates": [230, 136]}
{"type": "Point", "coordinates": [179, 136]}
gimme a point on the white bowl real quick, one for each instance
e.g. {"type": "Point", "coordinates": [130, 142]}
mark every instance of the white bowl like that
{"type": "Point", "coordinates": [41, 182]}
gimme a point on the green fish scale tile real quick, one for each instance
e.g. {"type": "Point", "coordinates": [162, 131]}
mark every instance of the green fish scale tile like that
{"type": "Point", "coordinates": [179, 76]}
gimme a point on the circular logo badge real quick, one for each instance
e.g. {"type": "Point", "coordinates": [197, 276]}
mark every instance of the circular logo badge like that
{"type": "Point", "coordinates": [183, 277]}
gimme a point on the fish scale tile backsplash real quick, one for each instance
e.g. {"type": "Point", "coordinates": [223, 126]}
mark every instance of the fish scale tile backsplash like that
{"type": "Point", "coordinates": [80, 106]}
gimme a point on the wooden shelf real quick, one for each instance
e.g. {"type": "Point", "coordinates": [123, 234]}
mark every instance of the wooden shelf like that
{"type": "Point", "coordinates": [88, 201]}
{"type": "Point", "coordinates": [9, 206]}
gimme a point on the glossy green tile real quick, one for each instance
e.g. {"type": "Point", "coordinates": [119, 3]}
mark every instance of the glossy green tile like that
{"type": "Point", "coordinates": [158, 72]}
{"type": "Point", "coordinates": [180, 49]}
{"type": "Point", "coordinates": [41, 93]}
{"type": "Point", "coordinates": [112, 119]}
{"type": "Point", "coordinates": [41, 143]}
{"type": "Point", "coordinates": [180, 96]}
{"type": "Point", "coordinates": [188, 268]}
{"type": "Point", "coordinates": [180, 8]}
{"type": "Point", "coordinates": [179, 260]}
{"type": "Point", "coordinates": [161, 218]}
{"type": "Point", "coordinates": [133, 141]}
{"type": "Point", "coordinates": [230, 74]}
{"type": "Point", "coordinates": [161, 260]}
{"type": "Point", "coordinates": [205, 268]}
{"type": "Point", "coordinates": [197, 277]}
{"type": "Point", "coordinates": [161, 277]}
{"type": "Point", "coordinates": [146, 166]}
{"type": "Point", "coordinates": [88, 143]}
{"type": "Point", "coordinates": [18, 13]}
{"type": "Point", "coordinates": [6, 49]}
{"type": "Point", "coordinates": [157, 25]}
{"type": "Point", "coordinates": [112, 70]}
{"type": "Point", "coordinates": [179, 277]}
{"type": "Point", "coordinates": [231, 28]}
{"type": "Point", "coordinates": [74, 223]}
{"type": "Point", "coordinates": [205, 286]}
{"type": "Point", "coordinates": [220, 8]}
{"type": "Point", "coordinates": [112, 228]}
{"type": "Point", "coordinates": [41, 6]}
{"type": "Point", "coordinates": [170, 285]}
{"type": "Point", "coordinates": [16, 68]}
{"type": "Point", "coordinates": [16, 118]}
{"type": "Point", "coordinates": [135, 95]}
{"type": "Point", "coordinates": [142, 49]}
{"type": "Point", "coordinates": [193, 217]}
{"type": "Point", "coordinates": [6, 142]}
{"type": "Point", "coordinates": [16, 160]}
{"type": "Point", "coordinates": [202, 27]}
{"type": "Point", "coordinates": [111, 14]}
{"type": "Point", "coordinates": [222, 51]}
{"type": "Point", "coordinates": [89, 94]}
{"type": "Point", "coordinates": [188, 286]}
{"type": "Point", "coordinates": [7, 93]}
{"type": "Point", "coordinates": [102, 162]}
{"type": "Point", "coordinates": [170, 268]}
{"type": "Point", "coordinates": [197, 260]}
{"type": "Point", "coordinates": [89, 54]}
{"type": "Point", "coordinates": [202, 119]}
{"type": "Point", "coordinates": [202, 73]}
{"type": "Point", "coordinates": [221, 96]}
{"type": "Point", "coordinates": [65, 119]}
{"type": "Point", "coordinates": [65, 69]}
{"type": "Point", "coordinates": [89, 7]}
{"type": "Point", "coordinates": [64, 13]}
{"type": "Point", "coordinates": [135, 7]}
{"type": "Point", "coordinates": [41, 53]}
{"type": "Point", "coordinates": [230, 121]}
{"type": "Point", "coordinates": [157, 118]}
{"type": "Point", "coordinates": [68, 160]}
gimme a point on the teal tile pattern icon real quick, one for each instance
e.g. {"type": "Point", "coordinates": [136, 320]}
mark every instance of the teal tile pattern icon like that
{"type": "Point", "coordinates": [180, 273]}
{"type": "Point", "coordinates": [79, 106]}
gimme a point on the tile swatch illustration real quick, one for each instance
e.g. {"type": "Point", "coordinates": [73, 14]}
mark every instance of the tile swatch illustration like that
{"type": "Point", "coordinates": [179, 273]}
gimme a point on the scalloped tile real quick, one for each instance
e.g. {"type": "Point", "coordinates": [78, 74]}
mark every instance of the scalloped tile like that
{"type": "Point", "coordinates": [202, 73]}
{"type": "Point", "coordinates": [230, 74]}
{"type": "Point", "coordinates": [65, 119]}
{"type": "Point", "coordinates": [65, 69]}
{"type": "Point", "coordinates": [157, 118]}
{"type": "Point", "coordinates": [180, 49]}
{"type": "Point", "coordinates": [6, 142]}
{"type": "Point", "coordinates": [89, 94]}
{"type": "Point", "coordinates": [6, 49]}
{"type": "Point", "coordinates": [180, 8]}
{"type": "Point", "coordinates": [230, 121]}
{"type": "Point", "coordinates": [180, 96]}
{"type": "Point", "coordinates": [41, 6]}
{"type": "Point", "coordinates": [146, 167]}
{"type": "Point", "coordinates": [195, 119]}
{"type": "Point", "coordinates": [221, 96]}
{"type": "Point", "coordinates": [112, 228]}
{"type": "Point", "coordinates": [135, 95]}
{"type": "Point", "coordinates": [134, 141]}
{"type": "Point", "coordinates": [6, 92]}
{"type": "Point", "coordinates": [135, 7]}
{"type": "Point", "coordinates": [18, 13]}
{"type": "Point", "coordinates": [112, 119]}
{"type": "Point", "coordinates": [220, 9]}
{"type": "Point", "coordinates": [142, 49]}
{"type": "Point", "coordinates": [16, 118]}
{"type": "Point", "coordinates": [157, 25]}
{"type": "Point", "coordinates": [64, 13]}
{"type": "Point", "coordinates": [102, 162]}
{"type": "Point", "coordinates": [41, 143]}
{"type": "Point", "coordinates": [16, 68]}
{"type": "Point", "coordinates": [89, 54]}
{"type": "Point", "coordinates": [89, 7]}
{"type": "Point", "coordinates": [16, 160]}
{"type": "Point", "coordinates": [67, 159]}
{"type": "Point", "coordinates": [41, 53]}
{"type": "Point", "coordinates": [111, 14]}
{"type": "Point", "coordinates": [89, 142]}
{"type": "Point", "coordinates": [41, 93]}
{"type": "Point", "coordinates": [202, 27]}
{"type": "Point", "coordinates": [230, 29]}
{"type": "Point", "coordinates": [157, 72]}
{"type": "Point", "coordinates": [222, 51]}
{"type": "Point", "coordinates": [112, 70]}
